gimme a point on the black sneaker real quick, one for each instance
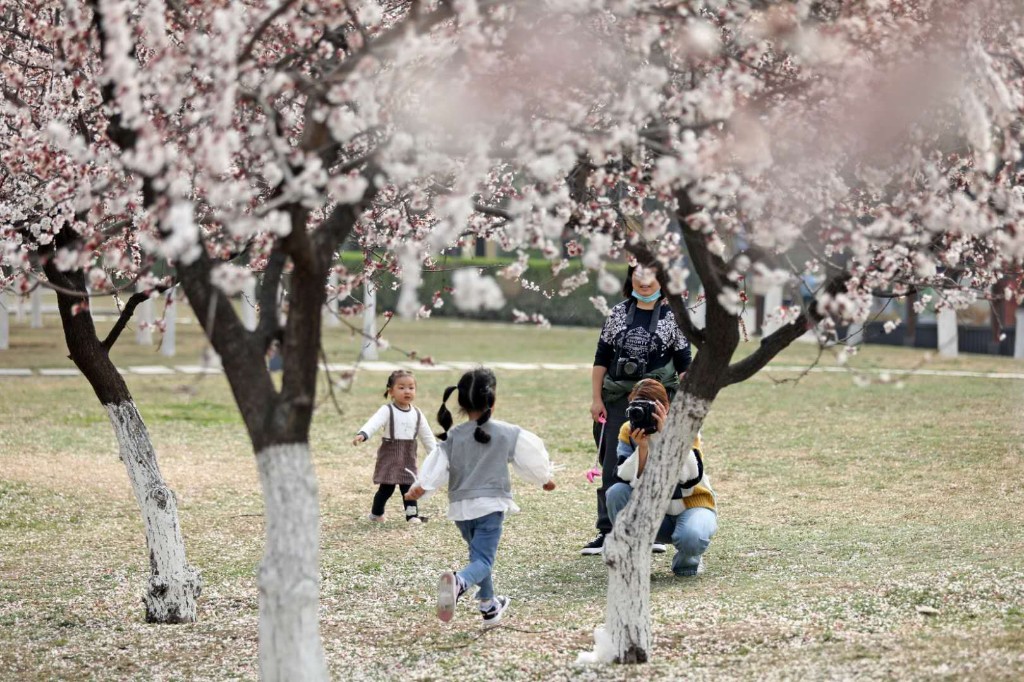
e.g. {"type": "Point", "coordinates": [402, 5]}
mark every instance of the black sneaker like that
{"type": "Point", "coordinates": [492, 616]}
{"type": "Point", "coordinates": [595, 546]}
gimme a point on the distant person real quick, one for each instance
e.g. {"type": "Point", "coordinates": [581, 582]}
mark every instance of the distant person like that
{"type": "Point", "coordinates": [690, 517]}
{"type": "Point", "coordinates": [640, 338]}
{"type": "Point", "coordinates": [473, 459]}
{"type": "Point", "coordinates": [396, 456]}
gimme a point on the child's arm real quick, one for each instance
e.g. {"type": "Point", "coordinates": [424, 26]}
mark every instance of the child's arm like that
{"type": "Point", "coordinates": [426, 436]}
{"type": "Point", "coordinates": [433, 474]}
{"type": "Point", "coordinates": [530, 460]}
{"type": "Point", "coordinates": [372, 425]}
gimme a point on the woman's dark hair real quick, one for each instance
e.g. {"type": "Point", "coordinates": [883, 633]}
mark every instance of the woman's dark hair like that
{"type": "Point", "coordinates": [627, 286]}
{"type": "Point", "coordinates": [395, 376]}
{"type": "Point", "coordinates": [476, 393]}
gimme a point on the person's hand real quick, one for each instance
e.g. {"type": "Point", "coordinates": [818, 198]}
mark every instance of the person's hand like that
{"type": "Point", "coordinates": [639, 436]}
{"type": "Point", "coordinates": [597, 411]}
{"type": "Point", "coordinates": [660, 415]}
{"type": "Point", "coordinates": [549, 486]}
{"type": "Point", "coordinates": [358, 439]}
{"type": "Point", "coordinates": [415, 493]}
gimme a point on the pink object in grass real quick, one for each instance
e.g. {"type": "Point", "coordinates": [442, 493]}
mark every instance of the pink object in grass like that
{"type": "Point", "coordinates": [593, 473]}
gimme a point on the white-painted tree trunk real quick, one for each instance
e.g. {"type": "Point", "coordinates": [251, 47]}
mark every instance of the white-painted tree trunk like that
{"type": "Point", "coordinates": [174, 585]}
{"type": "Point", "coordinates": [289, 581]}
{"type": "Point", "coordinates": [627, 551]}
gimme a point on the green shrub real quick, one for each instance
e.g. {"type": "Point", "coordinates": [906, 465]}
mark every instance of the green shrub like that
{"type": "Point", "coordinates": [574, 309]}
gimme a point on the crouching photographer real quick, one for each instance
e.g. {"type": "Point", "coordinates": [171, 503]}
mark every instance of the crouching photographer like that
{"type": "Point", "coordinates": [640, 339]}
{"type": "Point", "coordinates": [690, 519]}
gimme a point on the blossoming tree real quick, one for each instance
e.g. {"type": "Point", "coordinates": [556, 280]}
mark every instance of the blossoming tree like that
{"type": "Point", "coordinates": [875, 145]}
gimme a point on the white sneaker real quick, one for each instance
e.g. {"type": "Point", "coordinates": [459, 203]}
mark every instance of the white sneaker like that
{"type": "Point", "coordinates": [700, 566]}
{"type": "Point", "coordinates": [448, 594]}
{"type": "Point", "coordinates": [492, 616]}
{"type": "Point", "coordinates": [657, 548]}
{"type": "Point", "coordinates": [377, 519]}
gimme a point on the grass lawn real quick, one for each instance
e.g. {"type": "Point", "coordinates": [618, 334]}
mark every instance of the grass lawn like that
{"type": "Point", "coordinates": [845, 512]}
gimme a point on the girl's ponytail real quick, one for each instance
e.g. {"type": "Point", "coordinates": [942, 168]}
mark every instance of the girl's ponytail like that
{"type": "Point", "coordinates": [480, 435]}
{"type": "Point", "coordinates": [476, 394]}
{"type": "Point", "coordinates": [444, 417]}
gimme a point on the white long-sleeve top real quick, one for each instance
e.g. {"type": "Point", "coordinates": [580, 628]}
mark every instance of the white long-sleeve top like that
{"type": "Point", "coordinates": [530, 462]}
{"type": "Point", "coordinates": [405, 426]}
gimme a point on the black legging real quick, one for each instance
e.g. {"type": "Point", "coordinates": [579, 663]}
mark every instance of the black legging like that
{"type": "Point", "coordinates": [384, 493]}
{"type": "Point", "coordinates": [616, 415]}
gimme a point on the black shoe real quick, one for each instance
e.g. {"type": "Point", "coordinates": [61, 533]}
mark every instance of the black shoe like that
{"type": "Point", "coordinates": [492, 616]}
{"type": "Point", "coordinates": [595, 546]}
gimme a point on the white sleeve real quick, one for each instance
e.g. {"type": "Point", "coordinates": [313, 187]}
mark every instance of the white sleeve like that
{"type": "Point", "coordinates": [426, 436]}
{"type": "Point", "coordinates": [530, 459]}
{"type": "Point", "coordinates": [627, 470]}
{"type": "Point", "coordinates": [434, 472]}
{"type": "Point", "coordinates": [374, 423]}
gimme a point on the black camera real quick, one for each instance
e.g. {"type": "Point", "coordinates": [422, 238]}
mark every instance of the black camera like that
{"type": "Point", "coordinates": [630, 368]}
{"type": "Point", "coordinates": [641, 415]}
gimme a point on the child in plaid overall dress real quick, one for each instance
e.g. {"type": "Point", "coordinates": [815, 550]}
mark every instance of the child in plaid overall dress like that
{"type": "Point", "coordinates": [396, 457]}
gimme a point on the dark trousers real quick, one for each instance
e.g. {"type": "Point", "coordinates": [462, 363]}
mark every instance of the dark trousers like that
{"type": "Point", "coordinates": [384, 493]}
{"type": "Point", "coordinates": [616, 413]}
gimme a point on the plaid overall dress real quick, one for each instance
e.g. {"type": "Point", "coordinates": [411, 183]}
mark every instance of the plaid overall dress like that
{"type": "Point", "coordinates": [395, 456]}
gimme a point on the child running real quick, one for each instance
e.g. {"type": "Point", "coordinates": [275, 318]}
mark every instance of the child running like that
{"type": "Point", "coordinates": [473, 459]}
{"type": "Point", "coordinates": [396, 457]}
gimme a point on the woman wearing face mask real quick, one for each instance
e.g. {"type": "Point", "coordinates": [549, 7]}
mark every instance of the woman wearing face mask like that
{"type": "Point", "coordinates": [640, 339]}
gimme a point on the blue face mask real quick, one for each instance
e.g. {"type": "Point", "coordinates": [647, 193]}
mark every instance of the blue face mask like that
{"type": "Point", "coordinates": [647, 299]}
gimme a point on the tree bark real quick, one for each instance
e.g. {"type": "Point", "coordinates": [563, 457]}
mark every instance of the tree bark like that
{"type": "Point", "coordinates": [289, 578]}
{"type": "Point", "coordinates": [174, 585]}
{"type": "Point", "coordinates": [627, 551]}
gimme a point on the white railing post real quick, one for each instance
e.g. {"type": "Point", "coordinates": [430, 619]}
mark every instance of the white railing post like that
{"type": "Point", "coordinates": [1018, 339]}
{"type": "Point", "coordinates": [5, 322]}
{"type": "Point", "coordinates": [144, 322]}
{"type": "Point", "coordinates": [369, 351]}
{"type": "Point", "coordinates": [772, 303]}
{"type": "Point", "coordinates": [948, 341]}
{"type": "Point", "coordinates": [249, 304]}
{"type": "Point", "coordinates": [167, 348]}
{"type": "Point", "coordinates": [37, 308]}
{"type": "Point", "coordinates": [332, 302]}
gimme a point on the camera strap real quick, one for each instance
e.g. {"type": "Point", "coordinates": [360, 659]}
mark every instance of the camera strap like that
{"type": "Point", "coordinates": [655, 318]}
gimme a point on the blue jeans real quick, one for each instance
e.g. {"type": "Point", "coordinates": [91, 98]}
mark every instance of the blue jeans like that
{"type": "Point", "coordinates": [690, 531]}
{"type": "Point", "coordinates": [482, 536]}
